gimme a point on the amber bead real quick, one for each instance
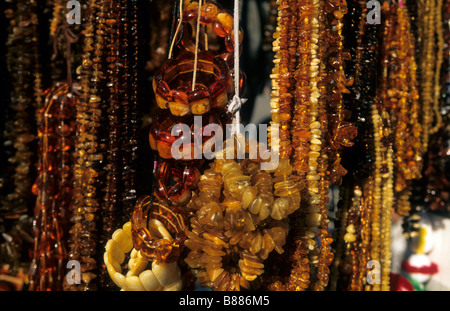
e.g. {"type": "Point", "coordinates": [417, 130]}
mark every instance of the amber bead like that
{"type": "Point", "coordinates": [223, 24]}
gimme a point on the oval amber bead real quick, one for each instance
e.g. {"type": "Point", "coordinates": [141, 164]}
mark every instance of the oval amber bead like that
{"type": "Point", "coordinates": [208, 13]}
{"type": "Point", "coordinates": [223, 24]}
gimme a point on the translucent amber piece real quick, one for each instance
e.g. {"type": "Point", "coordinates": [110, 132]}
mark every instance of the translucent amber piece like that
{"type": "Point", "coordinates": [208, 13]}
{"type": "Point", "coordinates": [223, 24]}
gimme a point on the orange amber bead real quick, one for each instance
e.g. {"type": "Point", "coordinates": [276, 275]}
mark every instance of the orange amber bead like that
{"type": "Point", "coordinates": [223, 24]}
{"type": "Point", "coordinates": [208, 13]}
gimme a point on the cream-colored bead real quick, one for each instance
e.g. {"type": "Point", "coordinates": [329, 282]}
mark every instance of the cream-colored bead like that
{"type": "Point", "coordinates": [124, 240]}
{"type": "Point", "coordinates": [149, 281]}
{"type": "Point", "coordinates": [120, 280]}
{"type": "Point", "coordinates": [165, 272]}
{"type": "Point", "coordinates": [134, 283]}
{"type": "Point", "coordinates": [174, 286]}
{"type": "Point", "coordinates": [115, 251]}
{"type": "Point", "coordinates": [138, 266]}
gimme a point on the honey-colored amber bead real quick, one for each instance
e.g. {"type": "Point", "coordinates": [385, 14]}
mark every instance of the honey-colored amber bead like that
{"type": "Point", "coordinates": [208, 13]}
{"type": "Point", "coordinates": [223, 24]}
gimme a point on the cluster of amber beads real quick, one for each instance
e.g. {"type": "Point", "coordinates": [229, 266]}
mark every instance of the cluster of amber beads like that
{"type": "Point", "coordinates": [402, 97]}
{"type": "Point", "coordinates": [53, 188]}
{"type": "Point", "coordinates": [195, 82]}
{"type": "Point", "coordinates": [85, 199]}
{"type": "Point", "coordinates": [20, 121]}
{"type": "Point", "coordinates": [308, 81]}
{"type": "Point", "coordinates": [160, 250]}
{"type": "Point", "coordinates": [221, 21]}
{"type": "Point", "coordinates": [173, 89]}
{"type": "Point", "coordinates": [238, 221]}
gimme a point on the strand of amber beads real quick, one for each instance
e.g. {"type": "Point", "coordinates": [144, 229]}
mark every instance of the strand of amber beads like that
{"type": "Point", "coordinates": [366, 230]}
{"type": "Point", "coordinates": [404, 107]}
{"type": "Point", "coordinates": [300, 130]}
{"type": "Point", "coordinates": [386, 220]}
{"type": "Point", "coordinates": [113, 68]}
{"type": "Point", "coordinates": [281, 98]}
{"type": "Point", "coordinates": [20, 126]}
{"type": "Point", "coordinates": [83, 125]}
{"type": "Point", "coordinates": [439, 61]}
{"type": "Point", "coordinates": [53, 188]}
{"type": "Point", "coordinates": [312, 210]}
{"type": "Point", "coordinates": [427, 34]}
{"type": "Point", "coordinates": [377, 196]}
{"type": "Point", "coordinates": [130, 111]}
{"type": "Point", "coordinates": [85, 198]}
{"type": "Point", "coordinates": [300, 133]}
{"type": "Point", "coordinates": [341, 132]}
{"type": "Point", "coordinates": [325, 256]}
{"type": "Point", "coordinates": [352, 240]}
